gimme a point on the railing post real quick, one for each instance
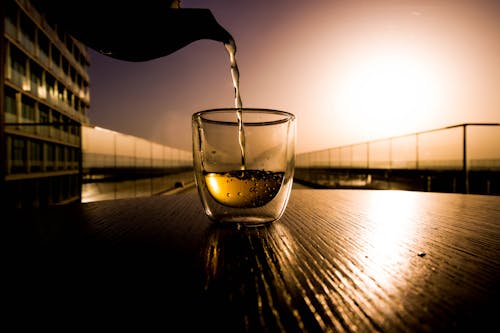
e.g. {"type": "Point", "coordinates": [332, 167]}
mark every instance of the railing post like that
{"type": "Point", "coordinates": [416, 151]}
{"type": "Point", "coordinates": [464, 160]}
{"type": "Point", "coordinates": [114, 151]}
{"type": "Point", "coordinates": [390, 153]}
{"type": "Point", "coordinates": [351, 156]}
{"type": "Point", "coordinates": [368, 155]}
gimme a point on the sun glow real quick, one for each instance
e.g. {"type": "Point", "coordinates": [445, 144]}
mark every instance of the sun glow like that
{"type": "Point", "coordinates": [390, 93]}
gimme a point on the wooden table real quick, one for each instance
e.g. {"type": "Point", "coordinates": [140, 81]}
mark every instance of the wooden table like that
{"type": "Point", "coordinates": [338, 260]}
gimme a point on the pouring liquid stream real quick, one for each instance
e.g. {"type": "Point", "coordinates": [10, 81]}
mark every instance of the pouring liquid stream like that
{"type": "Point", "coordinates": [235, 74]}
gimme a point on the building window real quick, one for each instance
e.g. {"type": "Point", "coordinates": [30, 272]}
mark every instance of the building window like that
{"type": "Point", "coordinates": [44, 120]}
{"type": "Point", "coordinates": [28, 33]}
{"type": "Point", "coordinates": [60, 156]}
{"type": "Point", "coordinates": [43, 46]}
{"type": "Point", "coordinates": [10, 105]}
{"type": "Point", "coordinates": [18, 155]}
{"type": "Point", "coordinates": [56, 56]}
{"type": "Point", "coordinates": [11, 19]}
{"type": "Point", "coordinates": [44, 114]}
{"type": "Point", "coordinates": [28, 109]}
{"type": "Point", "coordinates": [18, 61]}
{"type": "Point", "coordinates": [50, 157]}
{"type": "Point", "coordinates": [36, 156]}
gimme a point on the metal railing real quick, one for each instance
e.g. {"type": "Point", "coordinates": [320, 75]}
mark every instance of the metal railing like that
{"type": "Point", "coordinates": [459, 148]}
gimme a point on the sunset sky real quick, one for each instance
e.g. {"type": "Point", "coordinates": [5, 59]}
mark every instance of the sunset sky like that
{"type": "Point", "coordinates": [351, 71]}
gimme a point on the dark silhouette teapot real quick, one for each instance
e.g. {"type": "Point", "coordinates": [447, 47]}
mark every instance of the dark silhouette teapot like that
{"type": "Point", "coordinates": [133, 31]}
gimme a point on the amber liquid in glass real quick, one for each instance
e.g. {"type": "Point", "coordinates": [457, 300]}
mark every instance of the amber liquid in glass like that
{"type": "Point", "coordinates": [244, 188]}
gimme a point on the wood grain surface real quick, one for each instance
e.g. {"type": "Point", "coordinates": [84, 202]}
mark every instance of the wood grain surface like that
{"type": "Point", "coordinates": [337, 261]}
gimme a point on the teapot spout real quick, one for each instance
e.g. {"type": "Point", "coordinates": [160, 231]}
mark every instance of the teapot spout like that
{"type": "Point", "coordinates": [171, 31]}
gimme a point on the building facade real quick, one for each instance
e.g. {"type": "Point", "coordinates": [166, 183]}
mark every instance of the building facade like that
{"type": "Point", "coordinates": [44, 99]}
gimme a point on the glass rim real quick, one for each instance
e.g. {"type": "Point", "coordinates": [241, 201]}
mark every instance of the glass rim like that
{"type": "Point", "coordinates": [285, 116]}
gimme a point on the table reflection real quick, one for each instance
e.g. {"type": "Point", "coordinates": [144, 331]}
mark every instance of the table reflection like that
{"type": "Point", "coordinates": [391, 224]}
{"type": "Point", "coordinates": [259, 257]}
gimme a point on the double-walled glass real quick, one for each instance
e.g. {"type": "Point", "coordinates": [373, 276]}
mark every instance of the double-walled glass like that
{"type": "Point", "coordinates": [244, 171]}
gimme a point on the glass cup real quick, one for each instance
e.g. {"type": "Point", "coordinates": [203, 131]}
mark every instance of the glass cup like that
{"type": "Point", "coordinates": [244, 169]}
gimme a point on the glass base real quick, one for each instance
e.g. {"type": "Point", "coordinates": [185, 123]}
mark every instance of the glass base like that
{"type": "Point", "coordinates": [243, 221]}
